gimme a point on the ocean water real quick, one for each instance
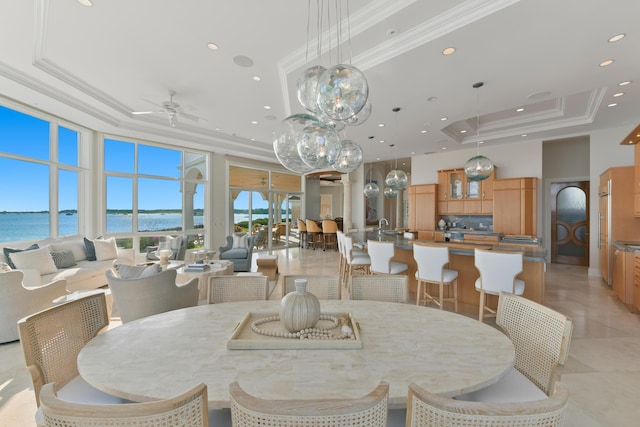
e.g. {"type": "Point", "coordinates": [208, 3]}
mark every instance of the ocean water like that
{"type": "Point", "coordinates": [33, 226]}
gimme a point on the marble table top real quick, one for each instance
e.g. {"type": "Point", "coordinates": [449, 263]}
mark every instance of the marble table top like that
{"type": "Point", "coordinates": [162, 355]}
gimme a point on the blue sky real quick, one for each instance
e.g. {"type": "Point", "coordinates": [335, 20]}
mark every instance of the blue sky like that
{"type": "Point", "coordinates": [26, 183]}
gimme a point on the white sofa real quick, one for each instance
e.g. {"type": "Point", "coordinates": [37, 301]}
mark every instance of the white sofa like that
{"type": "Point", "coordinates": [85, 274]}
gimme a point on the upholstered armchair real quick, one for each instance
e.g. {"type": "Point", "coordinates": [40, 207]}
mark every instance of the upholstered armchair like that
{"type": "Point", "coordinates": [238, 249]}
{"type": "Point", "coordinates": [18, 301]}
{"type": "Point", "coordinates": [177, 245]}
{"type": "Point", "coordinates": [147, 295]}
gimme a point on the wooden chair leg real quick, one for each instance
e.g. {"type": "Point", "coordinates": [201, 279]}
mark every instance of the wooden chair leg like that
{"type": "Point", "coordinates": [455, 295]}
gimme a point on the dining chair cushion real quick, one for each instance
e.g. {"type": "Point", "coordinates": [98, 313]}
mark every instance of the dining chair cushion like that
{"type": "Point", "coordinates": [397, 267]}
{"type": "Point", "coordinates": [513, 387]}
{"type": "Point", "coordinates": [448, 276]}
{"type": "Point", "coordinates": [518, 286]}
{"type": "Point", "coordinates": [79, 391]}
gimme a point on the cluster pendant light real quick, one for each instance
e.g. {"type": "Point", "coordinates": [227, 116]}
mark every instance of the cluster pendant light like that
{"type": "Point", "coordinates": [371, 189]}
{"type": "Point", "coordinates": [334, 97]}
{"type": "Point", "coordinates": [478, 168]}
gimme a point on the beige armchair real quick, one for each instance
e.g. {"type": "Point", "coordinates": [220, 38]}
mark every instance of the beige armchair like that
{"type": "Point", "coordinates": [18, 301]}
{"type": "Point", "coordinates": [142, 297]}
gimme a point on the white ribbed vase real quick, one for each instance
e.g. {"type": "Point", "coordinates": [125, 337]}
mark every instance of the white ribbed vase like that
{"type": "Point", "coordinates": [299, 309]}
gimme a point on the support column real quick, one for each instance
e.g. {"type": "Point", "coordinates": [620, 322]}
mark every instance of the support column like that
{"type": "Point", "coordinates": [346, 191]}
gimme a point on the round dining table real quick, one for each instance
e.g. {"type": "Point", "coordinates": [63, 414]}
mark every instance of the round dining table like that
{"type": "Point", "coordinates": [160, 356]}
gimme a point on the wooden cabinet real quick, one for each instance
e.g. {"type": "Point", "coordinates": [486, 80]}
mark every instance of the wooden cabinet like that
{"type": "Point", "coordinates": [623, 275]}
{"type": "Point", "coordinates": [459, 195]}
{"type": "Point", "coordinates": [515, 206]}
{"type": "Point", "coordinates": [636, 282]}
{"type": "Point", "coordinates": [422, 208]}
{"type": "Point", "coordinates": [636, 180]}
{"type": "Point", "coordinates": [481, 238]}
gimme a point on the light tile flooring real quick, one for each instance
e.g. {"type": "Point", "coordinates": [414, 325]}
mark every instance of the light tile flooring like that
{"type": "Point", "coordinates": [602, 373]}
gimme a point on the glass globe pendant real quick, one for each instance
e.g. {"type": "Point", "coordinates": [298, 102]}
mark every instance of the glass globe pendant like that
{"type": "Point", "coordinates": [342, 92]}
{"type": "Point", "coordinates": [361, 117]}
{"type": "Point", "coordinates": [307, 87]}
{"type": "Point", "coordinates": [478, 168]}
{"type": "Point", "coordinates": [371, 189]}
{"type": "Point", "coordinates": [349, 158]}
{"type": "Point", "coordinates": [396, 179]}
{"type": "Point", "coordinates": [285, 145]}
{"type": "Point", "coordinates": [318, 145]}
{"type": "Point", "coordinates": [390, 193]}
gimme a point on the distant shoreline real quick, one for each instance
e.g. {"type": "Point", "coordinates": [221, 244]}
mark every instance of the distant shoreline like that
{"type": "Point", "coordinates": [111, 211]}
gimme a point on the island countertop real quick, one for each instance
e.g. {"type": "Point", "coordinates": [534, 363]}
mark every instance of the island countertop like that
{"type": "Point", "coordinates": [530, 253]}
{"type": "Point", "coordinates": [461, 259]}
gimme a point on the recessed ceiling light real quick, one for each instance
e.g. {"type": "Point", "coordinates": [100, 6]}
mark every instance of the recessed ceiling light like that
{"type": "Point", "coordinates": [377, 158]}
{"type": "Point", "coordinates": [615, 95]}
{"type": "Point", "coordinates": [616, 37]}
{"type": "Point", "coordinates": [624, 83]}
{"type": "Point", "coordinates": [256, 78]}
{"type": "Point", "coordinates": [381, 141]}
{"type": "Point", "coordinates": [213, 46]}
{"type": "Point", "coordinates": [443, 119]}
{"type": "Point", "coordinates": [607, 62]}
{"type": "Point", "coordinates": [612, 105]}
{"type": "Point", "coordinates": [520, 110]}
{"type": "Point", "coordinates": [448, 51]}
{"type": "Point", "coordinates": [523, 135]}
{"type": "Point", "coordinates": [463, 131]}
{"type": "Point", "coordinates": [267, 107]}
{"type": "Point", "coordinates": [444, 148]}
{"type": "Point", "coordinates": [480, 142]}
{"type": "Point", "coordinates": [380, 125]}
{"type": "Point", "coordinates": [413, 152]}
{"type": "Point", "coordinates": [85, 2]}
{"type": "Point", "coordinates": [253, 122]}
{"type": "Point", "coordinates": [252, 139]}
{"type": "Point", "coordinates": [423, 131]}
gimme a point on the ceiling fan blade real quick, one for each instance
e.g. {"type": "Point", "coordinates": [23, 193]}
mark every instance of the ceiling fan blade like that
{"type": "Point", "coordinates": [191, 117]}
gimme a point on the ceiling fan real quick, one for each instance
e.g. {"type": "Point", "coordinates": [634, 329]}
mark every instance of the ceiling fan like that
{"type": "Point", "coordinates": [172, 110]}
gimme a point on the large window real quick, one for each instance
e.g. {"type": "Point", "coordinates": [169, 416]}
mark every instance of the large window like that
{"type": "Point", "coordinates": [154, 191]}
{"type": "Point", "coordinates": [39, 160]}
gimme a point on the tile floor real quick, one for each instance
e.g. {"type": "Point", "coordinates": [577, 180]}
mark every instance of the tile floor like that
{"type": "Point", "coordinates": [602, 373]}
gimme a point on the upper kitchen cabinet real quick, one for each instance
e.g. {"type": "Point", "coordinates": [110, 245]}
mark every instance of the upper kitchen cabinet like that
{"type": "Point", "coordinates": [459, 195]}
{"type": "Point", "coordinates": [515, 206]}
{"type": "Point", "coordinates": [422, 208]}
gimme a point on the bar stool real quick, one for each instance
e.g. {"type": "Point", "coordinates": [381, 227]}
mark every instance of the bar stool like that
{"type": "Point", "coordinates": [353, 261]}
{"type": "Point", "coordinates": [329, 236]}
{"type": "Point", "coordinates": [498, 271]}
{"type": "Point", "coordinates": [381, 254]}
{"type": "Point", "coordinates": [431, 261]}
{"type": "Point", "coordinates": [302, 232]}
{"type": "Point", "coordinates": [314, 234]}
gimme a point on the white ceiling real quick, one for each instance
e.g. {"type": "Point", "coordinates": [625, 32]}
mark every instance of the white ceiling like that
{"type": "Point", "coordinates": [95, 65]}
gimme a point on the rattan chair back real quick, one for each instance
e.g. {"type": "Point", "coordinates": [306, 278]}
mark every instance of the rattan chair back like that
{"type": "Point", "coordinates": [52, 339]}
{"type": "Point", "coordinates": [366, 411]}
{"type": "Point", "coordinates": [186, 410]}
{"type": "Point", "coordinates": [541, 337]}
{"type": "Point", "coordinates": [428, 409]}
{"type": "Point", "coordinates": [384, 287]}
{"type": "Point", "coordinates": [238, 288]}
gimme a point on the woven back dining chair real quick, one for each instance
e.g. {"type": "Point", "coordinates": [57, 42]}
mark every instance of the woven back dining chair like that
{"type": "Point", "coordinates": [384, 287]}
{"type": "Point", "coordinates": [366, 411]}
{"type": "Point", "coordinates": [238, 288]}
{"type": "Point", "coordinates": [428, 409]}
{"type": "Point", "coordinates": [51, 341]}
{"type": "Point", "coordinates": [541, 338]}
{"type": "Point", "coordinates": [188, 409]}
{"type": "Point", "coordinates": [323, 287]}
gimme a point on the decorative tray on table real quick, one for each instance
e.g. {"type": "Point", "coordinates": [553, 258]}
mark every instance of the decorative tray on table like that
{"type": "Point", "coordinates": [263, 331]}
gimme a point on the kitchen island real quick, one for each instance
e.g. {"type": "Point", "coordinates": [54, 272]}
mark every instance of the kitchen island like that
{"type": "Point", "coordinates": [461, 259]}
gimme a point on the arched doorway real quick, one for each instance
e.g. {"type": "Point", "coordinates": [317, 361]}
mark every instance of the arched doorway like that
{"type": "Point", "coordinates": [570, 223]}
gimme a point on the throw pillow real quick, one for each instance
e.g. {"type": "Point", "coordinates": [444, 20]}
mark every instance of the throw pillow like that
{"type": "Point", "coordinates": [9, 251]}
{"type": "Point", "coordinates": [64, 259]}
{"type": "Point", "coordinates": [137, 271]}
{"type": "Point", "coordinates": [239, 242]}
{"type": "Point", "coordinates": [90, 249]}
{"type": "Point", "coordinates": [75, 246]}
{"type": "Point", "coordinates": [36, 259]}
{"type": "Point", "coordinates": [105, 249]}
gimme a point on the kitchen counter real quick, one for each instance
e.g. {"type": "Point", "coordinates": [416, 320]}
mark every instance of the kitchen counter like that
{"type": "Point", "coordinates": [461, 259]}
{"type": "Point", "coordinates": [626, 246]}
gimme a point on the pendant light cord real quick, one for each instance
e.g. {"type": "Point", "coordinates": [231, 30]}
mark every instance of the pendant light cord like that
{"type": "Point", "coordinates": [478, 86]}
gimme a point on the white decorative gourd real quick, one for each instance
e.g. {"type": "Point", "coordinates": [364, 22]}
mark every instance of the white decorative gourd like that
{"type": "Point", "coordinates": [299, 309]}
